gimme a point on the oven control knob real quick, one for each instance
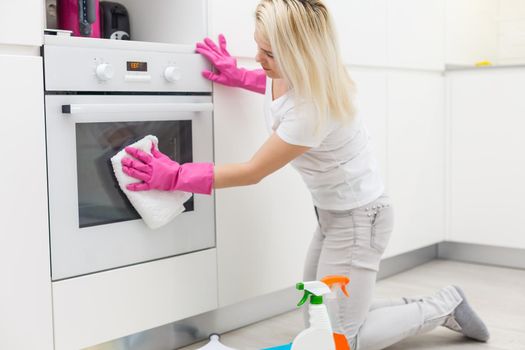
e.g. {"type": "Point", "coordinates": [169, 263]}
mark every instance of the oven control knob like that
{"type": "Point", "coordinates": [172, 74]}
{"type": "Point", "coordinates": [105, 71]}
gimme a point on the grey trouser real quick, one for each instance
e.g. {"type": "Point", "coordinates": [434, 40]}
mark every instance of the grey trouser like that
{"type": "Point", "coordinates": [351, 243]}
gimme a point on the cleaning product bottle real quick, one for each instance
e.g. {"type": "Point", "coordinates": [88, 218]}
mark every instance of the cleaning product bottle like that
{"type": "Point", "coordinates": [319, 335]}
{"type": "Point", "coordinates": [334, 282]}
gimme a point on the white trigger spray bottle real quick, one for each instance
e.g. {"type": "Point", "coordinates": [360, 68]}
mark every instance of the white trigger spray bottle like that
{"type": "Point", "coordinates": [319, 335]}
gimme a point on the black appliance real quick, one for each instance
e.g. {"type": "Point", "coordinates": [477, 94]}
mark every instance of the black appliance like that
{"type": "Point", "coordinates": [114, 21]}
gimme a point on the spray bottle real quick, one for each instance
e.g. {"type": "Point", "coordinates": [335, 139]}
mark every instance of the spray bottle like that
{"type": "Point", "coordinates": [319, 334]}
{"type": "Point", "coordinates": [334, 282]}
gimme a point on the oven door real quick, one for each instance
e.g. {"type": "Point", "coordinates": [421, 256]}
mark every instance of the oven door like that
{"type": "Point", "coordinates": [93, 227]}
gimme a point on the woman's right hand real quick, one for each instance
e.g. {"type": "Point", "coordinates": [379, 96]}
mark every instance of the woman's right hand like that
{"type": "Point", "coordinates": [227, 71]}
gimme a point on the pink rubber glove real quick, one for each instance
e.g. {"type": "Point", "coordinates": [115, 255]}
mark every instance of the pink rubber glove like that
{"type": "Point", "coordinates": [158, 171]}
{"type": "Point", "coordinates": [228, 72]}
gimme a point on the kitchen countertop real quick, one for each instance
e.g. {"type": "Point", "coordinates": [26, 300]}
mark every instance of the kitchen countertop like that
{"type": "Point", "coordinates": [464, 67]}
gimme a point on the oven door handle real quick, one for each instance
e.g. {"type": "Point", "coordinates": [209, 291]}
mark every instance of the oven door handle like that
{"type": "Point", "coordinates": [136, 108]}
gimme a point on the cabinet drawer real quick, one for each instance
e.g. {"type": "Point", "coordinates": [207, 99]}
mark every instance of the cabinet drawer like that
{"type": "Point", "coordinates": [96, 308]}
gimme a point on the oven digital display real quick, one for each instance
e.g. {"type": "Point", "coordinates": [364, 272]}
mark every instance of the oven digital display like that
{"type": "Point", "coordinates": [135, 66]}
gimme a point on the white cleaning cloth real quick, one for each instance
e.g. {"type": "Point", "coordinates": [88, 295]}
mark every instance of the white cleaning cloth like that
{"type": "Point", "coordinates": [157, 208]}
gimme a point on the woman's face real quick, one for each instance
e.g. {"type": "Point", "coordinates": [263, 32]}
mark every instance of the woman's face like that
{"type": "Point", "coordinates": [265, 57]}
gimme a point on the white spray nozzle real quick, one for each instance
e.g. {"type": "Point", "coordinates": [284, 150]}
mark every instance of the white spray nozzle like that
{"type": "Point", "coordinates": [317, 288]}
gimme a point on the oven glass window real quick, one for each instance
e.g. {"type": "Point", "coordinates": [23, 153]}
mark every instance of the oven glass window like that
{"type": "Point", "coordinates": [100, 200]}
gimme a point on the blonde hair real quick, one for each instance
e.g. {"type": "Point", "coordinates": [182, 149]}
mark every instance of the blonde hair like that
{"type": "Point", "coordinates": [304, 45]}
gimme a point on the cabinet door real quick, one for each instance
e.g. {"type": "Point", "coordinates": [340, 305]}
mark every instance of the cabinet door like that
{"type": "Point", "coordinates": [416, 34]}
{"type": "Point", "coordinates": [25, 296]}
{"type": "Point", "coordinates": [416, 159]}
{"type": "Point", "coordinates": [361, 28]}
{"type": "Point", "coordinates": [487, 168]}
{"type": "Point", "coordinates": [263, 231]}
{"type": "Point", "coordinates": [236, 20]}
{"type": "Point", "coordinates": [371, 102]}
{"type": "Point", "coordinates": [22, 22]}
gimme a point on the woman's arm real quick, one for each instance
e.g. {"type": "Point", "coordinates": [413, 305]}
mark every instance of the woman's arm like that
{"type": "Point", "coordinates": [273, 155]}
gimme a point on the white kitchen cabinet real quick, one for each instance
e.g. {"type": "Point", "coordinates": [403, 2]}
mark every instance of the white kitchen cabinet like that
{"type": "Point", "coordinates": [96, 308]}
{"type": "Point", "coordinates": [416, 34]}
{"type": "Point", "coordinates": [416, 159]}
{"type": "Point", "coordinates": [25, 296]}
{"type": "Point", "coordinates": [236, 20]}
{"type": "Point", "coordinates": [371, 102]}
{"type": "Point", "coordinates": [361, 28]}
{"type": "Point", "coordinates": [486, 157]}
{"type": "Point", "coordinates": [263, 230]}
{"type": "Point", "coordinates": [22, 22]}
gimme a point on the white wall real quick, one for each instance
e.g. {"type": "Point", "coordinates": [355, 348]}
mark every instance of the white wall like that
{"type": "Point", "coordinates": [415, 34]}
{"type": "Point", "coordinates": [393, 33]}
{"type": "Point", "coordinates": [511, 32]}
{"type": "Point", "coordinates": [236, 20]}
{"type": "Point", "coordinates": [471, 31]}
{"type": "Point", "coordinates": [362, 30]}
{"type": "Point", "coordinates": [167, 21]}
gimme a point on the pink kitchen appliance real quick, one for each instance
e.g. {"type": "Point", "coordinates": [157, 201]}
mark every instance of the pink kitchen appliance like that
{"type": "Point", "coordinates": [82, 17]}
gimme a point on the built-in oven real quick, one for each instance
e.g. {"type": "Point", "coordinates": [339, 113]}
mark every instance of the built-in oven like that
{"type": "Point", "coordinates": [99, 98]}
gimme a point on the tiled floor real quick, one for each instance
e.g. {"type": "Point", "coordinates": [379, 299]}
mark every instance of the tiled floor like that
{"type": "Point", "coordinates": [498, 294]}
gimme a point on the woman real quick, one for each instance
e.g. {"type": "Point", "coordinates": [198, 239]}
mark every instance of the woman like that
{"type": "Point", "coordinates": [310, 114]}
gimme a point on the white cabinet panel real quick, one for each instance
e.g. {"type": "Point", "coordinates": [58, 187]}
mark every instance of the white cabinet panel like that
{"type": "Point", "coordinates": [96, 308]}
{"type": "Point", "coordinates": [25, 296]}
{"type": "Point", "coordinates": [416, 33]}
{"type": "Point", "coordinates": [487, 168]}
{"type": "Point", "coordinates": [416, 159]}
{"type": "Point", "coordinates": [22, 22]}
{"type": "Point", "coordinates": [361, 28]}
{"type": "Point", "coordinates": [371, 101]}
{"type": "Point", "coordinates": [236, 20]}
{"type": "Point", "coordinates": [263, 231]}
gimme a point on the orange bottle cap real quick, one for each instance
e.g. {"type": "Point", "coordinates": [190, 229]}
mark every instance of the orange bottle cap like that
{"type": "Point", "coordinates": [333, 280]}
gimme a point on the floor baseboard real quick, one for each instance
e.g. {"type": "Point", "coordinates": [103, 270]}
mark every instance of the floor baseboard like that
{"type": "Point", "coordinates": [399, 263]}
{"type": "Point", "coordinates": [482, 254]}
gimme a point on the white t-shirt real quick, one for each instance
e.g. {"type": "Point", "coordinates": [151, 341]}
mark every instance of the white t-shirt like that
{"type": "Point", "coordinates": [340, 169]}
